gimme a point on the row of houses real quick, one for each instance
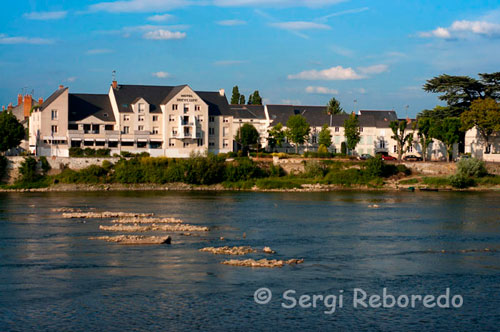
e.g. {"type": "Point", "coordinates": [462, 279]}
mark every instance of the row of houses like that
{"type": "Point", "coordinates": [175, 121]}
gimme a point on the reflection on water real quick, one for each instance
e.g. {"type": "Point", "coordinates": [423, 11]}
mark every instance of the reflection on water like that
{"type": "Point", "coordinates": [53, 278]}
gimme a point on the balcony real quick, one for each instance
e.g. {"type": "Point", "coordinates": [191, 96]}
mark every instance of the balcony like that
{"type": "Point", "coordinates": [141, 134]}
{"type": "Point", "coordinates": [75, 134]}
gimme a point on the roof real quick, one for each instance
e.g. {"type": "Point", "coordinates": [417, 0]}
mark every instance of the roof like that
{"type": "Point", "coordinates": [316, 116]}
{"type": "Point", "coordinates": [82, 106]}
{"type": "Point", "coordinates": [52, 97]}
{"type": "Point", "coordinates": [247, 111]}
{"type": "Point", "coordinates": [156, 95]}
{"type": "Point", "coordinates": [381, 118]}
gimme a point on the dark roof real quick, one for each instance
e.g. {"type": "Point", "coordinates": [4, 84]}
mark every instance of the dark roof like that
{"type": "Point", "coordinates": [82, 106]}
{"type": "Point", "coordinates": [158, 95]}
{"type": "Point", "coordinates": [247, 111]}
{"type": "Point", "coordinates": [52, 97]}
{"type": "Point", "coordinates": [381, 118]}
{"type": "Point", "coordinates": [316, 116]}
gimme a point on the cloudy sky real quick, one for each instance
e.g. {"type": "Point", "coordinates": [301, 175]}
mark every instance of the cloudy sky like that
{"type": "Point", "coordinates": [377, 53]}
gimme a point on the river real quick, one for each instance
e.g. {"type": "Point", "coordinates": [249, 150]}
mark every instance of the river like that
{"type": "Point", "coordinates": [54, 278]}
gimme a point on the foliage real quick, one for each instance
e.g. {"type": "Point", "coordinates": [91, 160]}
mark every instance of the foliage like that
{"type": "Point", "coordinates": [426, 132]}
{"type": "Point", "coordinates": [28, 171]}
{"type": "Point", "coordinates": [484, 114]}
{"type": "Point", "coordinates": [276, 136]}
{"type": "Point", "coordinates": [315, 169]}
{"type": "Point", "coordinates": [243, 169]}
{"type": "Point", "coordinates": [448, 132]}
{"type": "Point", "coordinates": [76, 152]}
{"type": "Point", "coordinates": [247, 136]}
{"type": "Point", "coordinates": [45, 164]}
{"type": "Point", "coordinates": [276, 171]}
{"type": "Point", "coordinates": [255, 98]}
{"type": "Point", "coordinates": [325, 136]}
{"type": "Point", "coordinates": [351, 131]}
{"type": "Point", "coordinates": [471, 167]}
{"type": "Point", "coordinates": [343, 148]}
{"type": "Point", "coordinates": [93, 174]}
{"type": "Point", "coordinates": [375, 166]}
{"type": "Point", "coordinates": [11, 131]}
{"type": "Point", "coordinates": [3, 166]}
{"type": "Point", "coordinates": [398, 129]}
{"type": "Point", "coordinates": [436, 181]}
{"type": "Point", "coordinates": [242, 99]}
{"type": "Point", "coordinates": [333, 108]}
{"type": "Point", "coordinates": [235, 98]}
{"type": "Point", "coordinates": [278, 183]}
{"type": "Point", "coordinates": [204, 170]}
{"type": "Point", "coordinates": [297, 130]}
{"type": "Point", "coordinates": [461, 181]}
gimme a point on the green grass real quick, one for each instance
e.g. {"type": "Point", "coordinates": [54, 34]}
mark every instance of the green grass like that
{"type": "Point", "coordinates": [410, 181]}
{"type": "Point", "coordinates": [280, 183]}
{"type": "Point", "coordinates": [436, 181]}
{"type": "Point", "coordinates": [490, 180]}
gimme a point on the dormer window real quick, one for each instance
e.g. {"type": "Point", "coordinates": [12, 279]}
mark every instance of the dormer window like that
{"type": "Point", "coordinates": [174, 107]}
{"type": "Point", "coordinates": [141, 108]}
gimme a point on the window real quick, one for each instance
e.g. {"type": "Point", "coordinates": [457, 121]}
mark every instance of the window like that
{"type": "Point", "coordinates": [200, 142]}
{"type": "Point", "coordinates": [141, 108]}
{"type": "Point", "coordinates": [126, 118]}
{"type": "Point", "coordinates": [382, 144]}
{"type": "Point", "coordinates": [185, 144]}
{"type": "Point", "coordinates": [155, 130]}
{"type": "Point", "coordinates": [140, 128]}
{"type": "Point", "coordinates": [225, 143]}
{"type": "Point", "coordinates": [126, 129]}
{"type": "Point", "coordinates": [171, 118]}
{"type": "Point", "coordinates": [174, 107]}
{"type": "Point", "coordinates": [395, 149]}
{"type": "Point", "coordinates": [409, 149]}
{"type": "Point", "coordinates": [200, 118]}
{"type": "Point", "coordinates": [141, 118]}
{"type": "Point", "coordinates": [54, 115]}
{"type": "Point", "coordinates": [225, 131]}
{"type": "Point", "coordinates": [171, 142]}
{"type": "Point", "coordinates": [225, 120]}
{"type": "Point", "coordinates": [112, 144]}
{"type": "Point", "coordinates": [211, 119]}
{"type": "Point", "coordinates": [141, 144]}
{"type": "Point", "coordinates": [196, 107]}
{"type": "Point", "coordinates": [211, 144]}
{"type": "Point", "coordinates": [487, 150]}
{"type": "Point", "coordinates": [337, 129]}
{"type": "Point", "coordinates": [174, 131]}
{"type": "Point", "coordinates": [360, 129]}
{"type": "Point", "coordinates": [109, 127]}
{"type": "Point", "coordinates": [155, 118]}
{"type": "Point", "coordinates": [211, 131]}
{"type": "Point", "coordinates": [313, 139]}
{"type": "Point", "coordinates": [54, 129]}
{"type": "Point", "coordinates": [186, 108]}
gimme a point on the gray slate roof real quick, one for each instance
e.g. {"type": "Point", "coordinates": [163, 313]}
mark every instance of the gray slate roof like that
{"type": "Point", "coordinates": [248, 111]}
{"type": "Point", "coordinates": [83, 105]}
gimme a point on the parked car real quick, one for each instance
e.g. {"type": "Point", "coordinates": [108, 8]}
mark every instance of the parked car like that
{"type": "Point", "coordinates": [387, 157]}
{"type": "Point", "coordinates": [365, 156]}
{"type": "Point", "coordinates": [464, 156]}
{"type": "Point", "coordinates": [412, 157]}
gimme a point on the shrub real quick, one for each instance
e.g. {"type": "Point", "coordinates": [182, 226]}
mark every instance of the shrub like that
{"type": "Point", "coordinates": [375, 167]}
{"type": "Point", "coordinates": [436, 181]}
{"type": "Point", "coordinates": [102, 152]}
{"type": "Point", "coordinates": [89, 152]}
{"type": "Point", "coordinates": [323, 149]}
{"type": "Point", "coordinates": [461, 181]}
{"type": "Point", "coordinates": [277, 183]}
{"type": "Point", "coordinates": [243, 169]}
{"type": "Point", "coordinates": [471, 168]}
{"type": "Point", "coordinates": [276, 171]}
{"type": "Point", "coordinates": [199, 169]}
{"type": "Point", "coordinates": [126, 154]}
{"type": "Point", "coordinates": [403, 169]}
{"type": "Point", "coordinates": [45, 164]}
{"type": "Point", "coordinates": [348, 177]}
{"type": "Point", "coordinates": [75, 152]}
{"type": "Point", "coordinates": [3, 166]}
{"type": "Point", "coordinates": [343, 148]}
{"type": "Point", "coordinates": [27, 171]}
{"type": "Point", "coordinates": [128, 171]}
{"type": "Point", "coordinates": [315, 169]}
{"type": "Point", "coordinates": [92, 174]}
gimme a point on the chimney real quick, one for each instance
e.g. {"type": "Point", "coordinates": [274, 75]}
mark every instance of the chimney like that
{"type": "Point", "coordinates": [28, 102]}
{"type": "Point", "coordinates": [19, 99]}
{"type": "Point", "coordinates": [408, 120]}
{"type": "Point", "coordinates": [3, 107]}
{"type": "Point", "coordinates": [222, 92]}
{"type": "Point", "coordinates": [114, 84]}
{"type": "Point", "coordinates": [9, 107]}
{"type": "Point", "coordinates": [61, 87]}
{"type": "Point", "coordinates": [40, 101]}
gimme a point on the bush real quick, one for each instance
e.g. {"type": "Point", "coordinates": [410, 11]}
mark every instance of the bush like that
{"type": "Point", "coordinates": [3, 167]}
{"type": "Point", "coordinates": [27, 171]}
{"type": "Point", "coordinates": [102, 152]}
{"type": "Point", "coordinates": [126, 154]}
{"type": "Point", "coordinates": [375, 167]}
{"type": "Point", "coordinates": [75, 152]}
{"type": "Point", "coordinates": [436, 181]}
{"type": "Point", "coordinates": [92, 174]}
{"type": "Point", "coordinates": [315, 169]}
{"type": "Point", "coordinates": [471, 168]}
{"type": "Point", "coordinates": [461, 181]}
{"type": "Point", "coordinates": [243, 169]}
{"type": "Point", "coordinates": [322, 149]}
{"type": "Point", "coordinates": [199, 169]}
{"type": "Point", "coordinates": [45, 164]}
{"type": "Point", "coordinates": [277, 183]}
{"type": "Point", "coordinates": [276, 171]}
{"type": "Point", "coordinates": [343, 148]}
{"type": "Point", "coordinates": [348, 177]}
{"type": "Point", "coordinates": [89, 152]}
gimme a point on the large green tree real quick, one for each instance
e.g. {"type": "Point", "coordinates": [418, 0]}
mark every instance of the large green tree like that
{"type": "Point", "coordinates": [333, 108]}
{"type": "Point", "coordinates": [247, 136]}
{"type": "Point", "coordinates": [400, 136]}
{"type": "Point", "coordinates": [235, 98]}
{"type": "Point", "coordinates": [484, 114]}
{"type": "Point", "coordinates": [276, 136]}
{"type": "Point", "coordinates": [448, 131]}
{"type": "Point", "coordinates": [351, 132]}
{"type": "Point", "coordinates": [255, 98]}
{"type": "Point", "coordinates": [325, 136]}
{"type": "Point", "coordinates": [297, 130]}
{"type": "Point", "coordinates": [426, 132]}
{"type": "Point", "coordinates": [11, 131]}
{"type": "Point", "coordinates": [242, 99]}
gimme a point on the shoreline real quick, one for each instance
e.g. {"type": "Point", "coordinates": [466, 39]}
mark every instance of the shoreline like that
{"type": "Point", "coordinates": [220, 188]}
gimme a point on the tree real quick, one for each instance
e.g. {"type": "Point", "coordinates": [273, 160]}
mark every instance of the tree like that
{"type": "Point", "coordinates": [400, 136]}
{"type": "Point", "coordinates": [484, 114]}
{"type": "Point", "coordinates": [276, 136]}
{"type": "Point", "coordinates": [325, 137]}
{"type": "Point", "coordinates": [254, 98]}
{"type": "Point", "coordinates": [247, 136]}
{"type": "Point", "coordinates": [235, 98]}
{"type": "Point", "coordinates": [242, 99]}
{"type": "Point", "coordinates": [426, 131]}
{"type": "Point", "coordinates": [11, 131]}
{"type": "Point", "coordinates": [333, 107]}
{"type": "Point", "coordinates": [351, 131]}
{"type": "Point", "coordinates": [297, 130]}
{"type": "Point", "coordinates": [250, 97]}
{"type": "Point", "coordinates": [448, 132]}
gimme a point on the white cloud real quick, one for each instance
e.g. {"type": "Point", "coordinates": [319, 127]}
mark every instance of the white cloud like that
{"type": "Point", "coordinates": [231, 22]}
{"type": "Point", "coordinates": [300, 25]}
{"type": "Point", "coordinates": [228, 62]}
{"type": "Point", "coordinates": [43, 16]}
{"type": "Point", "coordinates": [71, 79]}
{"type": "Point", "coordinates": [463, 29]}
{"type": "Point", "coordinates": [330, 74]}
{"type": "Point", "coordinates": [321, 90]}
{"type": "Point", "coordinates": [344, 12]}
{"type": "Point", "coordinates": [161, 74]}
{"type": "Point", "coordinates": [99, 51]}
{"type": "Point", "coordinates": [276, 3]}
{"type": "Point", "coordinates": [342, 50]}
{"type": "Point", "coordinates": [4, 39]}
{"type": "Point", "coordinates": [161, 34]}
{"type": "Point", "coordinates": [375, 69]}
{"type": "Point", "coordinates": [144, 6]}
{"type": "Point", "coordinates": [161, 18]}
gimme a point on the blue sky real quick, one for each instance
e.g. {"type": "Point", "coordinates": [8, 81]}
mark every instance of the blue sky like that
{"type": "Point", "coordinates": [378, 53]}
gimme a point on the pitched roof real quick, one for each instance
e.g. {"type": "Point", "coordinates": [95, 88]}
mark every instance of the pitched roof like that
{"type": "Point", "coordinates": [247, 111]}
{"type": "Point", "coordinates": [316, 116]}
{"type": "Point", "coordinates": [52, 97]}
{"type": "Point", "coordinates": [382, 119]}
{"type": "Point", "coordinates": [217, 104]}
{"type": "Point", "coordinates": [82, 106]}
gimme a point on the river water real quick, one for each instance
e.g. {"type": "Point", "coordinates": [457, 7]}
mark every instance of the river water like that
{"type": "Point", "coordinates": [52, 277]}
